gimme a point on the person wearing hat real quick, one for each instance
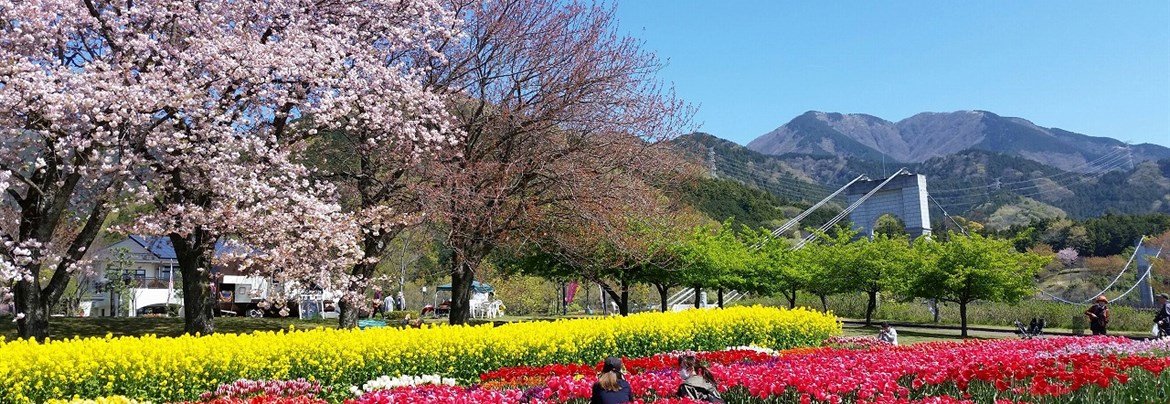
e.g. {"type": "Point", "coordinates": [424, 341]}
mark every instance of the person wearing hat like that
{"type": "Point", "coordinates": [1162, 319]}
{"type": "Point", "coordinates": [610, 387]}
{"type": "Point", "coordinates": [1098, 315]}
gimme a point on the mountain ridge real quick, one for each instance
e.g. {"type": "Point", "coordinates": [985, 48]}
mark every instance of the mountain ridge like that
{"type": "Point", "coordinates": [935, 134]}
{"type": "Point", "coordinates": [998, 189]}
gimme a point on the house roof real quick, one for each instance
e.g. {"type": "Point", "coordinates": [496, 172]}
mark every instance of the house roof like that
{"type": "Point", "coordinates": [475, 285]}
{"type": "Point", "coordinates": [162, 248]}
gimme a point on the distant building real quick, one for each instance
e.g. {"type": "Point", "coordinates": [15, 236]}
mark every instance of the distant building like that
{"type": "Point", "coordinates": [145, 271]}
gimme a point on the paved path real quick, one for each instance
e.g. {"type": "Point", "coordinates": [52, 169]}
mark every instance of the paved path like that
{"type": "Point", "coordinates": [947, 331]}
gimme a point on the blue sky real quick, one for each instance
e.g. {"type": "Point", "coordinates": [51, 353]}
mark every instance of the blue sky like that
{"type": "Point", "coordinates": [1092, 67]}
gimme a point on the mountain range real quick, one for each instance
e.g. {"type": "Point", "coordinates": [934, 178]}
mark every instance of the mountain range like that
{"type": "Point", "coordinates": [931, 134]}
{"type": "Point", "coordinates": [996, 170]}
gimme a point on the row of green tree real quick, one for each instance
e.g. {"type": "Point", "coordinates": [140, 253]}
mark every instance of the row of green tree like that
{"type": "Point", "coordinates": [960, 270]}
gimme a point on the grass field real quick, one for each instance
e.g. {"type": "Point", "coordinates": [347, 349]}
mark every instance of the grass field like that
{"type": "Point", "coordinates": [70, 327]}
{"type": "Point", "coordinates": [1057, 315]}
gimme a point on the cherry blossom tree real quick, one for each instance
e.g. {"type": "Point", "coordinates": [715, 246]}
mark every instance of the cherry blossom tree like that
{"type": "Point", "coordinates": [211, 102]}
{"type": "Point", "coordinates": [379, 190]}
{"type": "Point", "coordinates": [65, 128]}
{"type": "Point", "coordinates": [556, 107]}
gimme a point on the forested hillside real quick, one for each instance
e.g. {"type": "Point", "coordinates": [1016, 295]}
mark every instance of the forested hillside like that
{"type": "Point", "coordinates": [722, 199]}
{"type": "Point", "coordinates": [993, 189]}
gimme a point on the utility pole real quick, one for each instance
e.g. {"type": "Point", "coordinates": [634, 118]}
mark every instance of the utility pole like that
{"type": "Point", "coordinates": [711, 161]}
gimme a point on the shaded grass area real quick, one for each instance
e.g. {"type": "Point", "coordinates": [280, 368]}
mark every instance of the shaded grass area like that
{"type": "Point", "coordinates": [82, 327]}
{"type": "Point", "coordinates": [69, 327]}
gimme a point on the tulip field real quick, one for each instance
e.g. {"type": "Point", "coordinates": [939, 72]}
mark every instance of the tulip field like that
{"type": "Point", "coordinates": [758, 355]}
{"type": "Point", "coordinates": [180, 369]}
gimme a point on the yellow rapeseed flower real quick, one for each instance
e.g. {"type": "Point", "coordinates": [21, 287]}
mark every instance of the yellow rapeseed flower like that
{"type": "Point", "coordinates": [175, 369]}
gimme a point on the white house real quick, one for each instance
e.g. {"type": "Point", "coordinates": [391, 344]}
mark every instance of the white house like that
{"type": "Point", "coordinates": [145, 270]}
{"type": "Point", "coordinates": [145, 267]}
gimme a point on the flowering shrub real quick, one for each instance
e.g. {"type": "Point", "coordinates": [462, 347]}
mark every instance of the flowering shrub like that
{"type": "Point", "coordinates": [866, 342]}
{"type": "Point", "coordinates": [444, 394]}
{"type": "Point", "coordinates": [101, 400]}
{"type": "Point", "coordinates": [387, 382]}
{"type": "Point", "coordinates": [177, 369]}
{"type": "Point", "coordinates": [244, 388]}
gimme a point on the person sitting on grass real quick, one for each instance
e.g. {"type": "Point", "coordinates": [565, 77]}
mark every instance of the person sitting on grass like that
{"type": "Point", "coordinates": [610, 387]}
{"type": "Point", "coordinates": [698, 382]}
{"type": "Point", "coordinates": [888, 334]}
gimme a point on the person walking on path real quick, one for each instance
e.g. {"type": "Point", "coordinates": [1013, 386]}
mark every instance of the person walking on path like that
{"type": "Point", "coordinates": [1098, 315]}
{"type": "Point", "coordinates": [377, 305]}
{"type": "Point", "coordinates": [610, 387]}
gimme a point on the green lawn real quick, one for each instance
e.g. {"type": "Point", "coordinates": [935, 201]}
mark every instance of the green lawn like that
{"type": "Point", "coordinates": [908, 336]}
{"type": "Point", "coordinates": [64, 328]}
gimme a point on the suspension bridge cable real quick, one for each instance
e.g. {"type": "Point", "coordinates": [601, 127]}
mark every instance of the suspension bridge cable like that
{"type": "Point", "coordinates": [792, 222]}
{"type": "Point", "coordinates": [746, 167]}
{"type": "Point", "coordinates": [1115, 279]}
{"type": "Point", "coordinates": [947, 215]}
{"type": "Point", "coordinates": [850, 209]}
{"type": "Point", "coordinates": [1147, 274]}
{"type": "Point", "coordinates": [792, 192]}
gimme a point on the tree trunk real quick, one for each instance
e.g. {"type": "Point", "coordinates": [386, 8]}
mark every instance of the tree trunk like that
{"type": "Point", "coordinates": [720, 294]}
{"type": "Point", "coordinates": [663, 290]}
{"type": "Point", "coordinates": [461, 280]}
{"type": "Point", "coordinates": [350, 311]}
{"type": "Point", "coordinates": [791, 297]}
{"type": "Point", "coordinates": [39, 220]}
{"type": "Point", "coordinates": [35, 324]}
{"type": "Point", "coordinates": [351, 304]}
{"type": "Point", "coordinates": [870, 307]}
{"type": "Point", "coordinates": [624, 303]}
{"type": "Point", "coordinates": [698, 295]}
{"type": "Point", "coordinates": [467, 252]}
{"type": "Point", "coordinates": [564, 299]}
{"type": "Point", "coordinates": [622, 297]}
{"type": "Point", "coordinates": [963, 319]}
{"type": "Point", "coordinates": [193, 253]}
{"type": "Point", "coordinates": [934, 309]}
{"type": "Point", "coordinates": [824, 303]}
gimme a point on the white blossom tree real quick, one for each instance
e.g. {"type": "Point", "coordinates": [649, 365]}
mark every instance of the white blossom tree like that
{"type": "Point", "coordinates": [202, 107]}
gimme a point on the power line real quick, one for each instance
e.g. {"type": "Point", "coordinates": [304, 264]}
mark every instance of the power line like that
{"type": "Point", "coordinates": [786, 184]}
{"type": "Point", "coordinates": [1024, 191]}
{"type": "Point", "coordinates": [791, 190]}
{"type": "Point", "coordinates": [1112, 159]}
